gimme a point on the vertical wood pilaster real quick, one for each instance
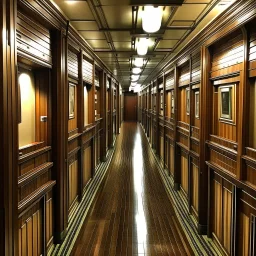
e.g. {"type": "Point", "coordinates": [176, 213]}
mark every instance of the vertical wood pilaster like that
{"type": "Point", "coordinates": [205, 120]}
{"type": "Point", "coordinates": [176, 163]}
{"type": "Point", "coordinates": [104, 112]}
{"type": "Point", "coordinates": [60, 132]}
{"type": "Point", "coordinates": [8, 130]}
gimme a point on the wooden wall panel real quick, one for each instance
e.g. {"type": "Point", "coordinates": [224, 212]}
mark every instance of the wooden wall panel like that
{"type": "Point", "coordinates": [184, 172]}
{"type": "Point", "coordinates": [87, 165]}
{"type": "Point", "coordinates": [244, 237]}
{"type": "Point", "coordinates": [72, 64]}
{"type": "Point", "coordinates": [87, 71]}
{"type": "Point", "coordinates": [182, 116]}
{"type": "Point", "coordinates": [171, 159]}
{"type": "Point", "coordinates": [194, 182]}
{"type": "Point", "coordinates": [33, 40]}
{"type": "Point", "coordinates": [228, 55]}
{"type": "Point", "coordinates": [196, 68]}
{"type": "Point", "coordinates": [73, 182]}
{"type": "Point", "coordinates": [252, 120]}
{"type": "Point", "coordinates": [31, 232]}
{"type": "Point", "coordinates": [252, 53]}
{"type": "Point", "coordinates": [184, 75]}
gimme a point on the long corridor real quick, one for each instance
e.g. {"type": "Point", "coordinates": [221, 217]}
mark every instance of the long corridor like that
{"type": "Point", "coordinates": [132, 214]}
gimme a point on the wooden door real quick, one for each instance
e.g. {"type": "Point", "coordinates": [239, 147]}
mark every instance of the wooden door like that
{"type": "Point", "coordinates": [130, 107]}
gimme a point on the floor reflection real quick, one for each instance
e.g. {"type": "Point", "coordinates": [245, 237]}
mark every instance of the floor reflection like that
{"type": "Point", "coordinates": [138, 181]}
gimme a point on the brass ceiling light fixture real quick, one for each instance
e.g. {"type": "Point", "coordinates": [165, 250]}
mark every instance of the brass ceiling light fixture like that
{"type": "Point", "coordinates": [152, 19]}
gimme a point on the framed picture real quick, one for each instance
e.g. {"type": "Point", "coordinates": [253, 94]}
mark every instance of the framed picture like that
{"type": "Point", "coordinates": [197, 102]}
{"type": "Point", "coordinates": [71, 100]}
{"type": "Point", "coordinates": [172, 103]}
{"type": "Point", "coordinates": [227, 103]}
{"type": "Point", "coordinates": [187, 101]}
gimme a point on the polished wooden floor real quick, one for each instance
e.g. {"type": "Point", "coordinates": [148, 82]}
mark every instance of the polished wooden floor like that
{"type": "Point", "coordinates": [132, 214]}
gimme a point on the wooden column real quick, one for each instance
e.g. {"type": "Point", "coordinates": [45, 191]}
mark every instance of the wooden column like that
{"type": "Point", "coordinates": [60, 132]}
{"type": "Point", "coordinates": [157, 119]}
{"type": "Point", "coordinates": [176, 175]}
{"type": "Point", "coordinates": [111, 113]}
{"type": "Point", "coordinates": [80, 121]}
{"type": "Point", "coordinates": [164, 113]}
{"type": "Point", "coordinates": [104, 111]}
{"type": "Point", "coordinates": [8, 130]}
{"type": "Point", "coordinates": [205, 121]}
{"type": "Point", "coordinates": [243, 114]}
{"type": "Point", "coordinates": [191, 116]}
{"type": "Point", "coordinates": [117, 108]}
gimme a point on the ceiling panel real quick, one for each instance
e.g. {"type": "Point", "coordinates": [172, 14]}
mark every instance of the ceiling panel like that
{"type": "Point", "coordinates": [167, 44]}
{"type": "Point", "coordinates": [118, 16]}
{"type": "Point", "coordinates": [182, 23]}
{"type": "Point", "coordinates": [197, 1]}
{"type": "Point", "coordinates": [90, 35]}
{"type": "Point", "coordinates": [121, 36]}
{"type": "Point", "coordinates": [115, 2]}
{"type": "Point", "coordinates": [189, 11]}
{"type": "Point", "coordinates": [101, 44]}
{"type": "Point", "coordinates": [122, 46]}
{"type": "Point", "coordinates": [85, 25]}
{"type": "Point", "coordinates": [75, 9]}
{"type": "Point", "coordinates": [174, 34]}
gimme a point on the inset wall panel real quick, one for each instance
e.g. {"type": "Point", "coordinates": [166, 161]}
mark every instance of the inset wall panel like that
{"type": "Point", "coordinates": [33, 40]}
{"type": "Point", "coordinates": [184, 172]}
{"type": "Point", "coordinates": [31, 232]}
{"type": "Point", "coordinates": [87, 71]}
{"type": "Point", "coordinates": [195, 183]}
{"type": "Point", "coordinates": [73, 181]}
{"type": "Point", "coordinates": [87, 165]}
{"type": "Point", "coordinates": [228, 55]}
{"type": "Point", "coordinates": [72, 64]}
{"type": "Point", "coordinates": [244, 235]}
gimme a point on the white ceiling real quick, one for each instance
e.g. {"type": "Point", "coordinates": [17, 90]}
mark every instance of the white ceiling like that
{"type": "Point", "coordinates": [107, 26]}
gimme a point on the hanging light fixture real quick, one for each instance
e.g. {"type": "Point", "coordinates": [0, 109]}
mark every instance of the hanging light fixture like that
{"type": "Point", "coordinates": [142, 46]}
{"type": "Point", "coordinates": [151, 19]}
{"type": "Point", "coordinates": [138, 62]}
{"type": "Point", "coordinates": [137, 88]}
{"type": "Point", "coordinates": [136, 70]}
{"type": "Point", "coordinates": [135, 78]}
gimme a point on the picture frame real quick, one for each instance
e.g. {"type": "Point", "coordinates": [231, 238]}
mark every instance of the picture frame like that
{"type": "Point", "coordinates": [227, 103]}
{"type": "Point", "coordinates": [71, 101]}
{"type": "Point", "coordinates": [187, 101]}
{"type": "Point", "coordinates": [197, 104]}
{"type": "Point", "coordinates": [172, 101]}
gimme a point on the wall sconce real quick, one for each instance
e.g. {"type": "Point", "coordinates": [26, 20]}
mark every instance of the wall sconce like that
{"type": "Point", "coordinates": [151, 19]}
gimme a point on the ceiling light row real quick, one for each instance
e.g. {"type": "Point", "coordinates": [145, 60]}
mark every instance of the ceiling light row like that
{"type": "Point", "coordinates": [151, 23]}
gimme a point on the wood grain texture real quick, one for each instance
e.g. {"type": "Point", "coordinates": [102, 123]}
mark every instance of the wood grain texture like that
{"type": "Point", "coordinates": [132, 214]}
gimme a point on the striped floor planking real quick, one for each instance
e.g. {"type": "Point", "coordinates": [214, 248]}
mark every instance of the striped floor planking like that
{"type": "Point", "coordinates": [132, 214]}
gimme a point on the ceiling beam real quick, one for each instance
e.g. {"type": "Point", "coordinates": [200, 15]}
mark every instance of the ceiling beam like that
{"type": "Point", "coordinates": [134, 53]}
{"type": "Point", "coordinates": [141, 31]}
{"type": "Point", "coordinates": [158, 2]}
